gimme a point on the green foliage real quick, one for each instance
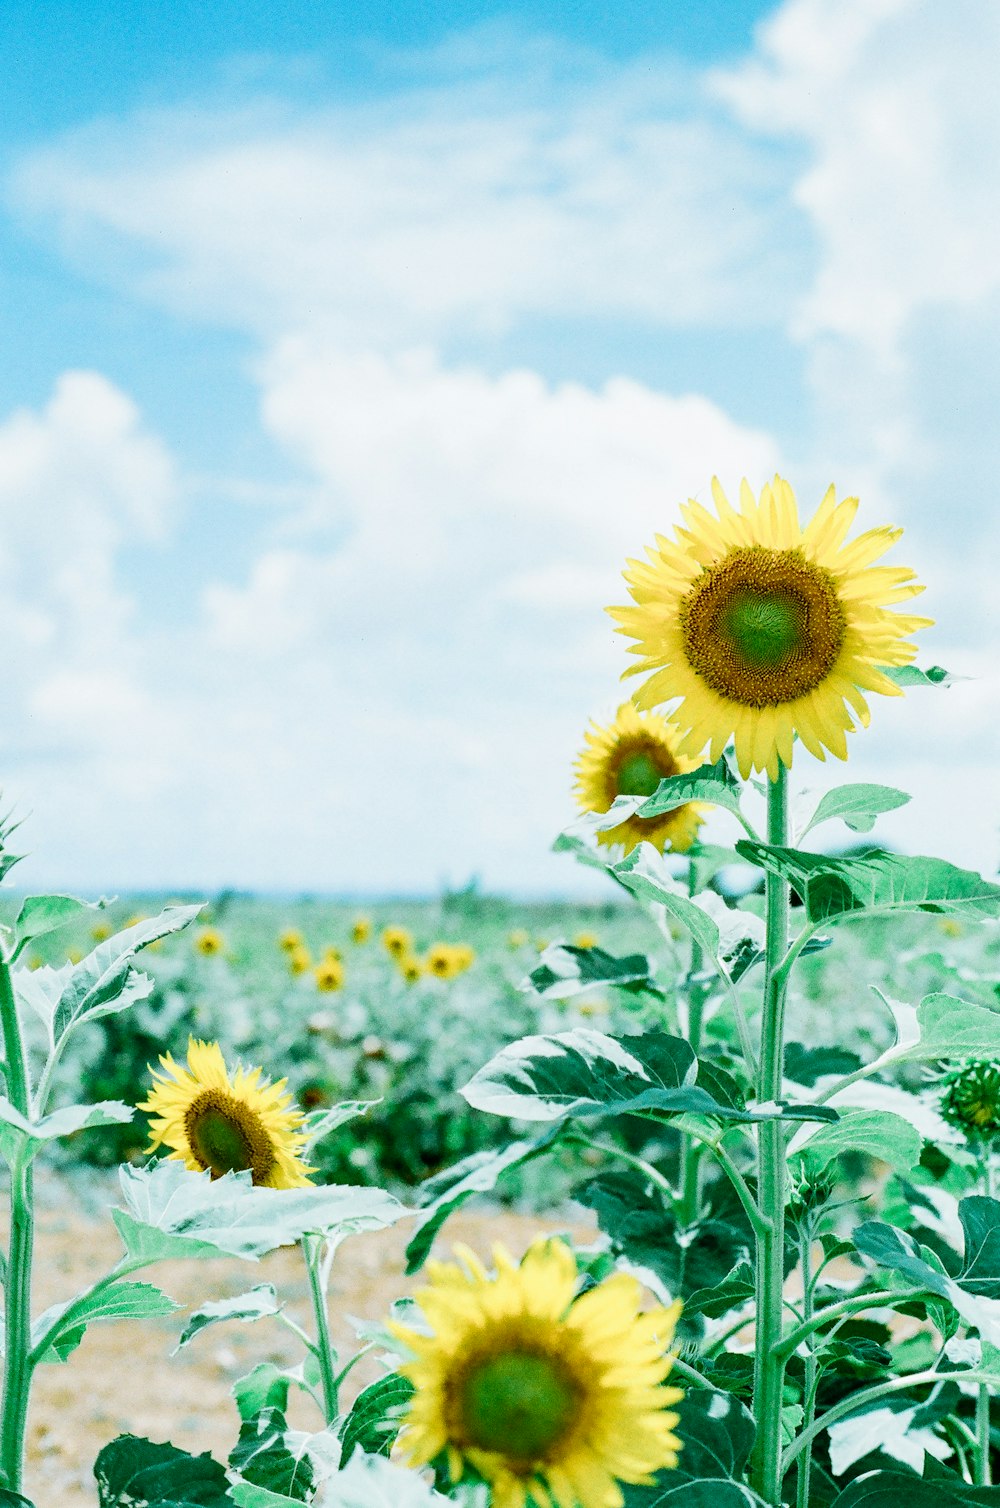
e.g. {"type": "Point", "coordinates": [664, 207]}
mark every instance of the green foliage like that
{"type": "Point", "coordinates": [716, 783]}
{"type": "Point", "coordinates": [41, 914]}
{"type": "Point", "coordinates": [257, 1303]}
{"type": "Point", "coordinates": [832, 889]}
{"type": "Point", "coordinates": [565, 971]}
{"type": "Point", "coordinates": [374, 1419]}
{"type": "Point", "coordinates": [135, 1473]}
{"type": "Point", "coordinates": [58, 1330]}
{"type": "Point", "coordinates": [269, 1456]}
{"type": "Point", "coordinates": [858, 806]}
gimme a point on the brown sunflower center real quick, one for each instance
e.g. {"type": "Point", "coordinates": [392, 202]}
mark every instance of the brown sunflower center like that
{"type": "Point", "coordinates": [519, 1403]}
{"type": "Point", "coordinates": [638, 774]}
{"type": "Point", "coordinates": [763, 626]}
{"type": "Point", "coordinates": [226, 1136]}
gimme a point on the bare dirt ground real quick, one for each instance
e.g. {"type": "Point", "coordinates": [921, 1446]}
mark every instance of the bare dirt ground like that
{"type": "Point", "coordinates": [122, 1379]}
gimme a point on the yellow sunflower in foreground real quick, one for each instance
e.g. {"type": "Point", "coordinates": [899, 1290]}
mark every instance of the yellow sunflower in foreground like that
{"type": "Point", "coordinates": [630, 757]}
{"type": "Point", "coordinates": [549, 1397]}
{"type": "Point", "coordinates": [222, 1124]}
{"type": "Point", "coordinates": [764, 629]}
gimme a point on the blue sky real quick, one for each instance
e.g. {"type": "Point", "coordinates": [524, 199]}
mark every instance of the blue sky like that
{"type": "Point", "coordinates": [350, 349]}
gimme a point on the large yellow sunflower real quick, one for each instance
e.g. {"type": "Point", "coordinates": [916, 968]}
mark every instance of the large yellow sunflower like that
{"type": "Point", "coordinates": [764, 629]}
{"type": "Point", "coordinates": [226, 1125]}
{"type": "Point", "coordinates": [630, 757]}
{"type": "Point", "coordinates": [551, 1398]}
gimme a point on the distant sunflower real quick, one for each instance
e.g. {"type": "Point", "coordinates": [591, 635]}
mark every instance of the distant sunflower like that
{"type": "Point", "coordinates": [764, 629]}
{"type": "Point", "coordinates": [299, 959]}
{"type": "Point", "coordinates": [209, 942]}
{"type": "Point", "coordinates": [361, 929]}
{"type": "Point", "coordinates": [329, 975]}
{"type": "Point", "coordinates": [443, 960]}
{"type": "Point", "coordinates": [290, 939]}
{"type": "Point", "coordinates": [411, 969]}
{"type": "Point", "coordinates": [222, 1124]}
{"type": "Point", "coordinates": [397, 941]}
{"type": "Point", "coordinates": [551, 1398]}
{"type": "Point", "coordinates": [630, 757]}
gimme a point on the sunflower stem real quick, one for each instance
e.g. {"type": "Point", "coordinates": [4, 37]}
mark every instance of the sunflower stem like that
{"type": "Point", "coordinates": [312, 1250]}
{"type": "Point", "coordinates": [690, 1201]}
{"type": "Point", "coordinates": [17, 1278]}
{"type": "Point", "coordinates": [984, 1474]}
{"type": "Point", "coordinates": [769, 1362]}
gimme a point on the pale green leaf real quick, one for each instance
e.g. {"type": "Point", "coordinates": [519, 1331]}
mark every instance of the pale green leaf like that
{"type": "Point", "coordinates": [912, 675]}
{"type": "Point", "coordinates": [856, 805]}
{"type": "Point", "coordinates": [879, 1133]}
{"type": "Point", "coordinates": [878, 882]}
{"type": "Point", "coordinates": [40, 914]}
{"type": "Point", "coordinates": [259, 1303]}
{"type": "Point", "coordinates": [59, 1329]}
{"type": "Point", "coordinates": [942, 1028]}
{"type": "Point", "coordinates": [15, 1130]}
{"type": "Point", "coordinates": [564, 971]}
{"type": "Point", "coordinates": [716, 783]}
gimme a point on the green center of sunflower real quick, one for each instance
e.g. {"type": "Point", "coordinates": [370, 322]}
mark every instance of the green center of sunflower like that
{"type": "Point", "coordinates": [763, 626]}
{"type": "Point", "coordinates": [638, 774]}
{"type": "Point", "coordinates": [519, 1404]}
{"type": "Point", "coordinates": [226, 1136]}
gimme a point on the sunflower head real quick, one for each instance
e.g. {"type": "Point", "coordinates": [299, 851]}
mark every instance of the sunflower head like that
{"type": "Point", "coordinates": [101, 932]}
{"type": "Point", "coordinates": [517, 939]}
{"type": "Point", "coordinates": [443, 960]}
{"type": "Point", "coordinates": [585, 940]}
{"type": "Point", "coordinates": [629, 757]}
{"type": "Point", "coordinates": [762, 630]}
{"type": "Point", "coordinates": [411, 969]}
{"type": "Point", "coordinates": [329, 975]}
{"type": "Point", "coordinates": [397, 941]}
{"type": "Point", "coordinates": [547, 1394]}
{"type": "Point", "coordinates": [971, 1100]}
{"type": "Point", "coordinates": [290, 939]}
{"type": "Point", "coordinates": [219, 1122]}
{"type": "Point", "coordinates": [299, 960]}
{"type": "Point", "coordinates": [361, 930]}
{"type": "Point", "coordinates": [209, 942]}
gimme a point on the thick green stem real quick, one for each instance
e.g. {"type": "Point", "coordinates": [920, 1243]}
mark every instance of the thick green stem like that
{"type": "Point", "coordinates": [984, 1474]}
{"type": "Point", "coordinates": [17, 1279]}
{"type": "Point", "coordinates": [769, 1363]}
{"type": "Point", "coordinates": [809, 1379]}
{"type": "Point", "coordinates": [312, 1248]}
{"type": "Point", "coordinates": [690, 1201]}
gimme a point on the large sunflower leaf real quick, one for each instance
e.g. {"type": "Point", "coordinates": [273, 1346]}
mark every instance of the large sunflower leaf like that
{"type": "Point", "coordinates": [564, 970]}
{"type": "Point", "coordinates": [172, 1212]}
{"type": "Point", "coordinates": [586, 1073]}
{"type": "Point", "coordinates": [135, 1473]}
{"type": "Point", "coordinates": [15, 1129]}
{"type": "Point", "coordinates": [856, 805]}
{"type": "Point", "coordinates": [724, 933]}
{"type": "Point", "coordinates": [105, 981]}
{"type": "Point", "coordinates": [696, 1492]}
{"type": "Point", "coordinates": [878, 882]}
{"type": "Point", "coordinates": [371, 1482]}
{"type": "Point", "coordinates": [272, 1456]}
{"type": "Point", "coordinates": [717, 783]}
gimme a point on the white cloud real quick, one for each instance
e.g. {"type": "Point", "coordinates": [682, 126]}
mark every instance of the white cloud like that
{"type": "Point", "coordinates": [449, 209]}
{"type": "Point", "coordinates": [896, 101]}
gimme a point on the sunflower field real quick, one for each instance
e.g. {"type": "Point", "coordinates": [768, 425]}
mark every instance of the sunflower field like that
{"type": "Point", "coordinates": [720, 1153]}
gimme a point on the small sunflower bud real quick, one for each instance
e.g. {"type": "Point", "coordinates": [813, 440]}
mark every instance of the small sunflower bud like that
{"type": "Point", "coordinates": [971, 1100]}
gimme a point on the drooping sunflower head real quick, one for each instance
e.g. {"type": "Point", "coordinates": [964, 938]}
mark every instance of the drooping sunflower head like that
{"type": "Point", "coordinates": [630, 757]}
{"type": "Point", "coordinates": [220, 1123]}
{"type": "Point", "coordinates": [971, 1100]}
{"type": "Point", "coordinates": [539, 1390]}
{"type": "Point", "coordinates": [209, 942]}
{"type": "Point", "coordinates": [761, 629]}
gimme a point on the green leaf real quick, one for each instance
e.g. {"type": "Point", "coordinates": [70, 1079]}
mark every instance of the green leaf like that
{"type": "Point", "coordinates": [171, 1212]}
{"type": "Point", "coordinates": [942, 1028]}
{"type": "Point", "coordinates": [878, 882]}
{"type": "Point", "coordinates": [55, 1334]}
{"type": "Point", "coordinates": [135, 1473]}
{"type": "Point", "coordinates": [910, 675]}
{"type": "Point", "coordinates": [40, 914]}
{"type": "Point", "coordinates": [585, 1073]}
{"type": "Point", "coordinates": [697, 1492]}
{"type": "Point", "coordinates": [980, 1219]}
{"type": "Point", "coordinates": [716, 783]}
{"type": "Point", "coordinates": [972, 1293]}
{"type": "Point", "coordinates": [15, 1130]}
{"type": "Point", "coordinates": [376, 1416]}
{"type": "Point", "coordinates": [106, 981]}
{"type": "Point", "coordinates": [476, 1174]}
{"type": "Point", "coordinates": [718, 1434]}
{"type": "Point", "coordinates": [320, 1123]}
{"type": "Point", "coordinates": [806, 1065]}
{"type": "Point", "coordinates": [856, 805]}
{"type": "Point", "coordinates": [14, 1500]}
{"type": "Point", "coordinates": [896, 1489]}
{"type": "Point", "coordinates": [270, 1456]}
{"type": "Point", "coordinates": [259, 1303]}
{"type": "Point", "coordinates": [879, 1133]}
{"type": "Point", "coordinates": [265, 1387]}
{"type": "Point", "coordinates": [564, 970]}
{"type": "Point", "coordinates": [249, 1495]}
{"type": "Point", "coordinates": [373, 1482]}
